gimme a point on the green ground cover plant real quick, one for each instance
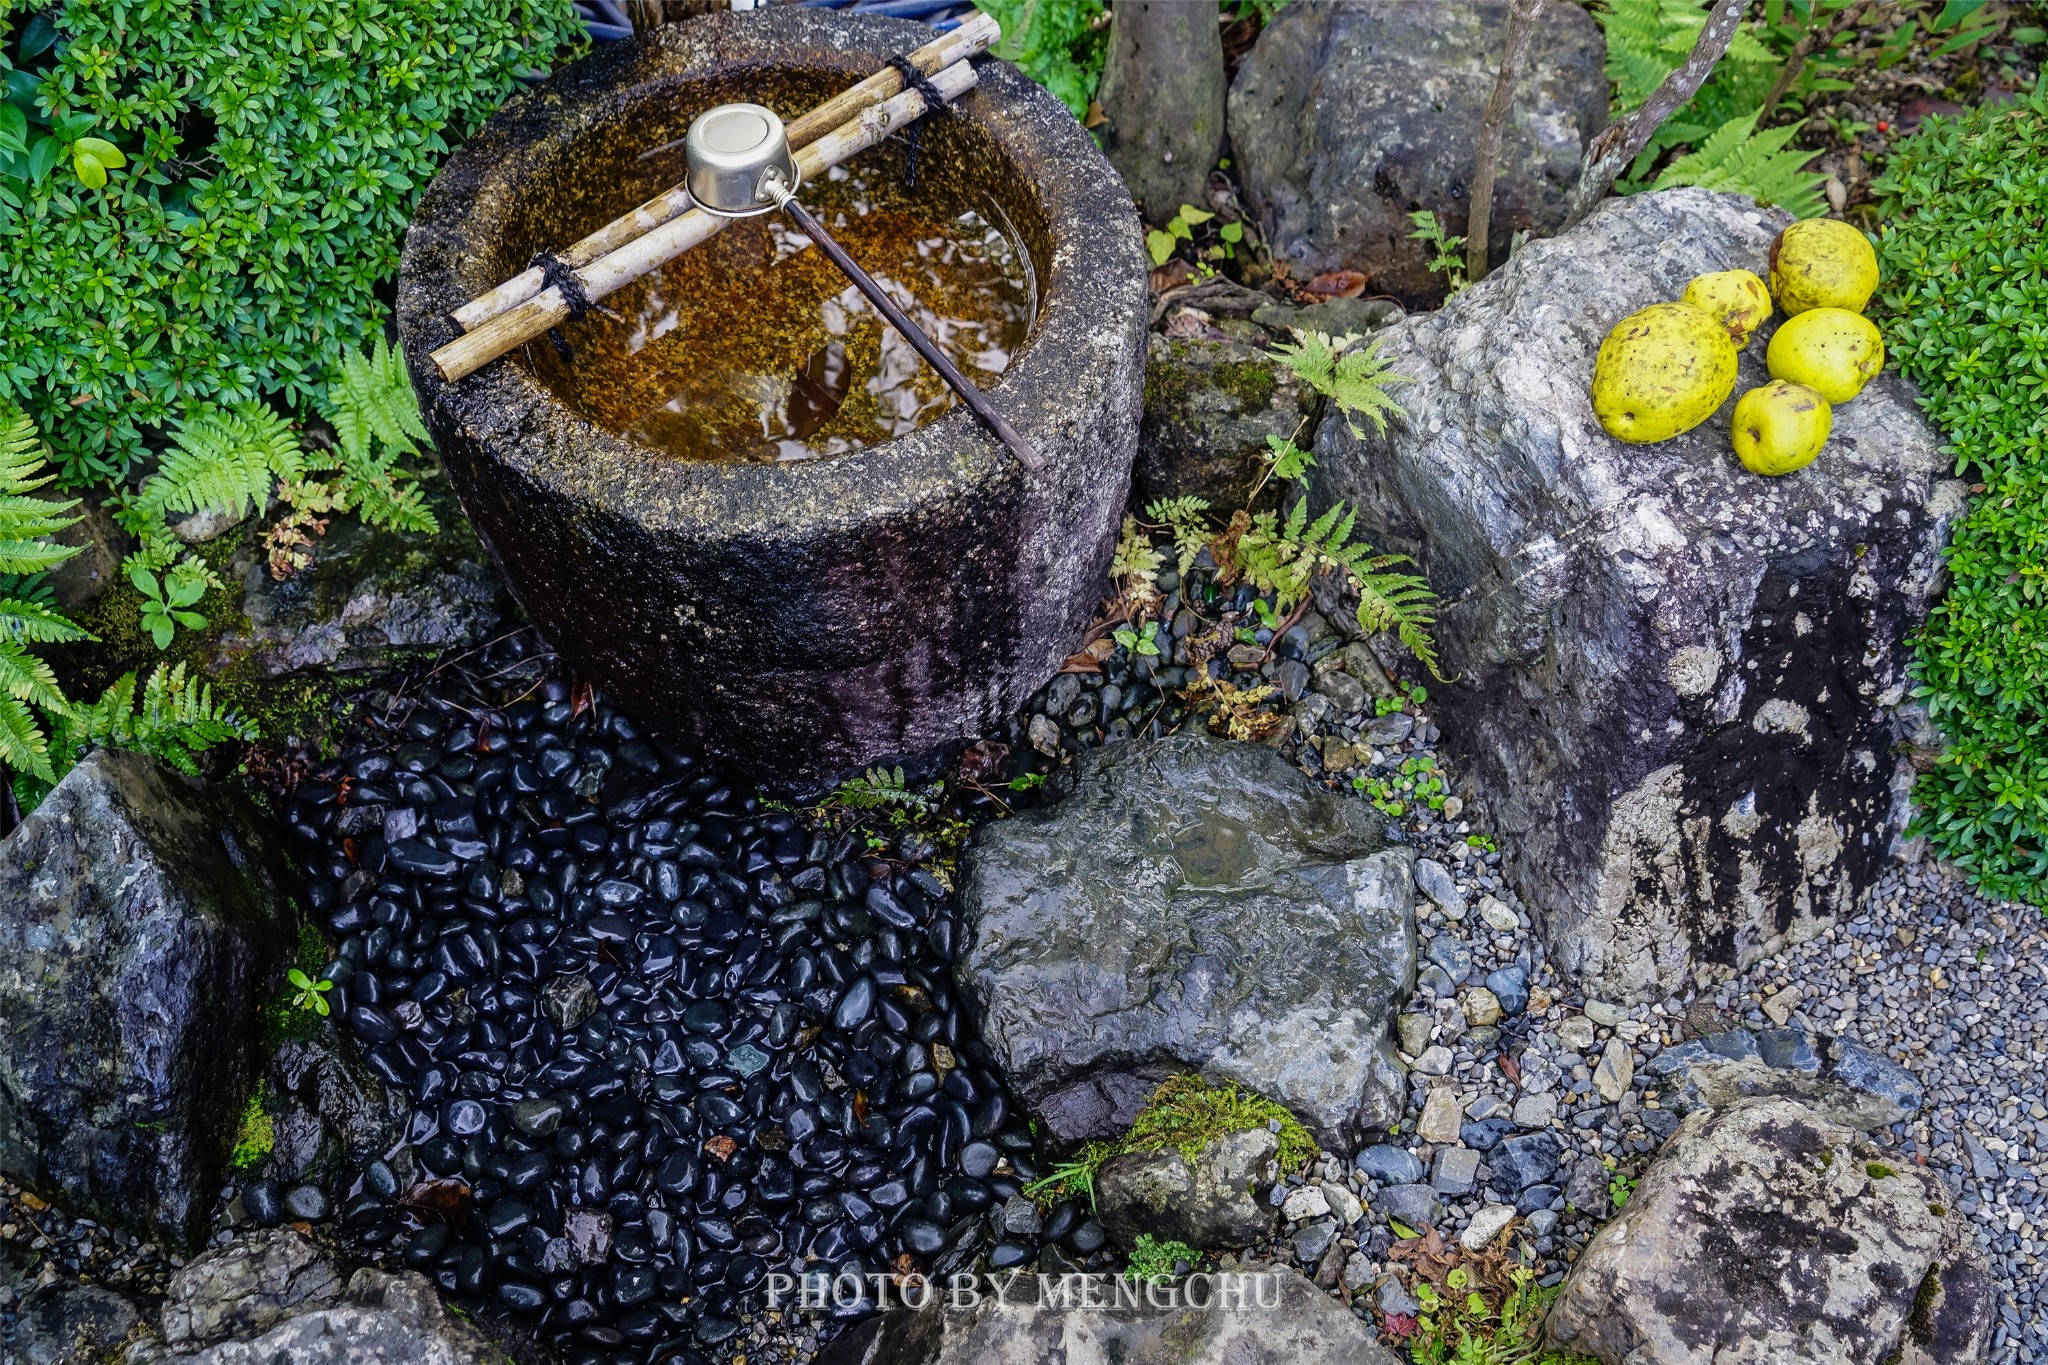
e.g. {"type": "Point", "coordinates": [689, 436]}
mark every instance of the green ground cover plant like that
{"type": "Point", "coordinates": [1964, 311]}
{"type": "Point", "coordinates": [198, 201]}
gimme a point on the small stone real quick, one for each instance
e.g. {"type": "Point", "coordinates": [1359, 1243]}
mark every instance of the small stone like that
{"type": "Point", "coordinates": [1510, 986]}
{"type": "Point", "coordinates": [1435, 1060]}
{"type": "Point", "coordinates": [1535, 1111]}
{"type": "Point", "coordinates": [1359, 1270]}
{"type": "Point", "coordinates": [1343, 1203]}
{"type": "Point", "coordinates": [1604, 1014]}
{"type": "Point", "coordinates": [1779, 1006]}
{"type": "Point", "coordinates": [1345, 692]}
{"type": "Point", "coordinates": [1457, 1171]}
{"type": "Point", "coordinates": [1413, 1030]}
{"type": "Point", "coordinates": [1453, 807]}
{"type": "Point", "coordinates": [1520, 1162]}
{"type": "Point", "coordinates": [1616, 1069]}
{"type": "Point", "coordinates": [1433, 880]}
{"type": "Point", "coordinates": [1044, 736]}
{"type": "Point", "coordinates": [1305, 1203]}
{"type": "Point", "coordinates": [1575, 1033]}
{"type": "Point", "coordinates": [1388, 1165]}
{"type": "Point", "coordinates": [1441, 1116]}
{"type": "Point", "coordinates": [1396, 1301]}
{"type": "Point", "coordinates": [568, 1001]}
{"type": "Point", "coordinates": [1416, 1205]}
{"type": "Point", "coordinates": [1313, 1239]}
{"type": "Point", "coordinates": [1498, 917]}
{"type": "Point", "coordinates": [306, 1202]}
{"type": "Point", "coordinates": [1490, 1222]}
{"type": "Point", "coordinates": [1482, 1008]}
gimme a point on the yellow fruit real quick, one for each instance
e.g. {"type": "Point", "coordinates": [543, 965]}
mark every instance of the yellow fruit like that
{"type": "Point", "coordinates": [1735, 298]}
{"type": "Point", "coordinates": [1821, 263]}
{"type": "Point", "coordinates": [1830, 350]}
{"type": "Point", "coordinates": [1662, 370]}
{"type": "Point", "coordinates": [1780, 427]}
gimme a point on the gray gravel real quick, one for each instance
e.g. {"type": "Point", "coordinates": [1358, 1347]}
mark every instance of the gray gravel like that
{"type": "Point", "coordinates": [1956, 989]}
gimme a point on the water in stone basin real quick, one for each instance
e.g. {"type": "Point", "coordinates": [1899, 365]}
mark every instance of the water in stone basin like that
{"type": "Point", "coordinates": [752, 346]}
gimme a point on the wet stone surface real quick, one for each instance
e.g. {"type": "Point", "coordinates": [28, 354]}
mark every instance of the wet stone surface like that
{"type": "Point", "coordinates": [660, 1039]}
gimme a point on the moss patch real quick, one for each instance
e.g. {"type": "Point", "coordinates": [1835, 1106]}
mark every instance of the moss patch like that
{"type": "Point", "coordinates": [257, 1136]}
{"type": "Point", "coordinates": [1187, 369]}
{"type": "Point", "coordinates": [1185, 1114]}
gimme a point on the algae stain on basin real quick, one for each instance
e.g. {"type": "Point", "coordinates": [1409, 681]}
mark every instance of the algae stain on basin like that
{"type": "Point", "coordinates": [830, 563]}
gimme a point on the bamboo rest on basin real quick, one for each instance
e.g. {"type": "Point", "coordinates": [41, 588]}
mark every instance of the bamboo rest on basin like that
{"type": "Point", "coordinates": [655, 248]}
{"type": "Point", "coordinates": [970, 39]}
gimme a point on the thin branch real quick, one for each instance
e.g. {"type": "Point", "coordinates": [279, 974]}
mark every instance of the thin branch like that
{"type": "Point", "coordinates": [1816, 39]}
{"type": "Point", "coordinates": [1521, 28]}
{"type": "Point", "coordinates": [1611, 152]}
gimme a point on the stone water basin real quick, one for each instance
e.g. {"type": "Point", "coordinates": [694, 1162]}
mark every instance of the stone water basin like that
{"type": "Point", "coordinates": [867, 599]}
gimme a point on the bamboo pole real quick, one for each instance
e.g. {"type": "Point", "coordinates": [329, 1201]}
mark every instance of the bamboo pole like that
{"type": "Point", "coordinates": [971, 38]}
{"type": "Point", "coordinates": [654, 249]}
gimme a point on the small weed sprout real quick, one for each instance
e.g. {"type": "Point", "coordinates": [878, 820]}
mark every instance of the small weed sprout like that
{"type": "Point", "coordinates": [1449, 258]}
{"type": "Point", "coordinates": [1156, 1261]}
{"type": "Point", "coordinates": [308, 993]}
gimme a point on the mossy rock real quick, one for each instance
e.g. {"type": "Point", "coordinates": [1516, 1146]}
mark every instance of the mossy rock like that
{"type": "Point", "coordinates": [1209, 407]}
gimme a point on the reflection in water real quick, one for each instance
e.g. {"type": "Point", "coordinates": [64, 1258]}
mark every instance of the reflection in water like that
{"type": "Point", "coordinates": [753, 347]}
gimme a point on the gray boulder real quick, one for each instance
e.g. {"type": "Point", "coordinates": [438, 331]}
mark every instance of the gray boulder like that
{"type": "Point", "coordinates": [1209, 407]}
{"type": "Point", "coordinates": [381, 1320]}
{"type": "Point", "coordinates": [1191, 905]}
{"type": "Point", "coordinates": [144, 918]}
{"type": "Point", "coordinates": [246, 1288]}
{"type": "Point", "coordinates": [68, 1323]}
{"type": "Point", "coordinates": [1675, 679]}
{"type": "Point", "coordinates": [1764, 1233]}
{"type": "Point", "coordinates": [1210, 1203]}
{"type": "Point", "coordinates": [373, 598]}
{"type": "Point", "coordinates": [1280, 1320]}
{"type": "Point", "coordinates": [1350, 114]}
{"type": "Point", "coordinates": [1838, 1078]}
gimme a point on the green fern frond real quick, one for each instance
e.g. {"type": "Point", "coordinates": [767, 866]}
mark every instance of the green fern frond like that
{"type": "Point", "coordinates": [880, 789]}
{"type": "Point", "coordinates": [1187, 518]}
{"type": "Point", "coordinates": [1738, 159]}
{"type": "Point", "coordinates": [222, 458]}
{"type": "Point", "coordinates": [372, 399]}
{"type": "Point", "coordinates": [175, 718]}
{"type": "Point", "coordinates": [1355, 377]}
{"type": "Point", "coordinates": [27, 678]}
{"type": "Point", "coordinates": [22, 745]}
{"type": "Point", "coordinates": [1649, 39]}
{"type": "Point", "coordinates": [34, 623]}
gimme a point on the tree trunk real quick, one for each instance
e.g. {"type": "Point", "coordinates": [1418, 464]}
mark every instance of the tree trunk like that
{"type": "Point", "coordinates": [1162, 92]}
{"type": "Point", "coordinates": [1522, 16]}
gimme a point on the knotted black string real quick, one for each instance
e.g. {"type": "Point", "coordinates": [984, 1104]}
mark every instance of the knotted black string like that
{"type": "Point", "coordinates": [913, 135]}
{"type": "Point", "coordinates": [558, 273]}
{"type": "Point", "coordinates": [562, 276]}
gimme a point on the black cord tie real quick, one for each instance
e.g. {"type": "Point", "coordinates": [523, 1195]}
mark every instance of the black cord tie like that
{"type": "Point", "coordinates": [558, 273]}
{"type": "Point", "coordinates": [913, 135]}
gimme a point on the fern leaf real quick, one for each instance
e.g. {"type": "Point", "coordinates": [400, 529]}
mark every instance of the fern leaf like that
{"type": "Point", "coordinates": [32, 622]}
{"type": "Point", "coordinates": [1738, 159]}
{"type": "Point", "coordinates": [27, 678]}
{"type": "Point", "coordinates": [372, 400]}
{"type": "Point", "coordinates": [223, 458]}
{"type": "Point", "coordinates": [22, 744]}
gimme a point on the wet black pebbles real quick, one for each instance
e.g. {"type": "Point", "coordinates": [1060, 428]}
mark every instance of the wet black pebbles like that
{"type": "Point", "coordinates": [662, 1040]}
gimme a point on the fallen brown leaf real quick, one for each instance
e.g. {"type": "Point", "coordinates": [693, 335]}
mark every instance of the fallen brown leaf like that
{"type": "Point", "coordinates": [1336, 284]}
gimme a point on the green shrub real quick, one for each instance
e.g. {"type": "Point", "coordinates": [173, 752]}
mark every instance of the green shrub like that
{"type": "Point", "coordinates": [256, 165]}
{"type": "Point", "coordinates": [1964, 310]}
{"type": "Point", "coordinates": [1055, 42]}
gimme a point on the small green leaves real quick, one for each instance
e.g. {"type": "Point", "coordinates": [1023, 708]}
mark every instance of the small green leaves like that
{"type": "Point", "coordinates": [92, 158]}
{"type": "Point", "coordinates": [310, 994]}
{"type": "Point", "coordinates": [1137, 642]}
{"type": "Point", "coordinates": [164, 602]}
{"type": "Point", "coordinates": [43, 156]}
{"type": "Point", "coordinates": [13, 130]}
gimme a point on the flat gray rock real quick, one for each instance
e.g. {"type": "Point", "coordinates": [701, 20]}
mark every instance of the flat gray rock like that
{"type": "Point", "coordinates": [1191, 905]}
{"type": "Point", "coordinates": [383, 1320]}
{"type": "Point", "coordinates": [1676, 682]}
{"type": "Point", "coordinates": [144, 918]}
{"type": "Point", "coordinates": [1838, 1078]}
{"type": "Point", "coordinates": [1765, 1235]}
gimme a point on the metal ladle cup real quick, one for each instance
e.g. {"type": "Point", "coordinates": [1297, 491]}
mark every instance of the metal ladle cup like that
{"type": "Point", "coordinates": [739, 166]}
